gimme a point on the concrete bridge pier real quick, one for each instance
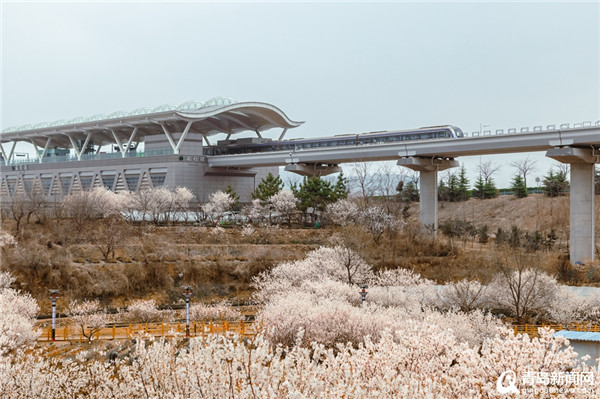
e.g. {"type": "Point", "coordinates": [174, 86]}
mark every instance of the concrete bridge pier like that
{"type": "Point", "coordinates": [428, 169]}
{"type": "Point", "coordinates": [581, 226]}
{"type": "Point", "coordinates": [312, 170]}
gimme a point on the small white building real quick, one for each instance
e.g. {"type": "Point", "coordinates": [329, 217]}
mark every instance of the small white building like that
{"type": "Point", "coordinates": [584, 343]}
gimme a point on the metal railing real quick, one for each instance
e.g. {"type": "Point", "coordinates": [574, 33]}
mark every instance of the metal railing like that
{"type": "Point", "coordinates": [71, 332]}
{"type": "Point", "coordinates": [90, 157]}
{"type": "Point", "coordinates": [535, 129]}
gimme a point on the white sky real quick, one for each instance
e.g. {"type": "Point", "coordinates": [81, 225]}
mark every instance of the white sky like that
{"type": "Point", "coordinates": [341, 67]}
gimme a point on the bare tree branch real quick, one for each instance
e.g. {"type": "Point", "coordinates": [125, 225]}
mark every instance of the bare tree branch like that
{"type": "Point", "coordinates": [525, 167]}
{"type": "Point", "coordinates": [487, 170]}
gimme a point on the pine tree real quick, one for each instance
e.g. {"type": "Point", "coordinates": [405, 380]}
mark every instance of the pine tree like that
{"type": "Point", "coordinates": [410, 193]}
{"type": "Point", "coordinates": [555, 183]}
{"type": "Point", "coordinates": [314, 193]}
{"type": "Point", "coordinates": [490, 190]}
{"type": "Point", "coordinates": [454, 187]}
{"type": "Point", "coordinates": [268, 187]}
{"type": "Point", "coordinates": [463, 193]}
{"type": "Point", "coordinates": [236, 198]}
{"type": "Point", "coordinates": [443, 191]}
{"type": "Point", "coordinates": [518, 186]}
{"type": "Point", "coordinates": [340, 190]}
{"type": "Point", "coordinates": [479, 188]}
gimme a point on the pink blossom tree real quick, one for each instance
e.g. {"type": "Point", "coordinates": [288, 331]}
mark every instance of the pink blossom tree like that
{"type": "Point", "coordinates": [18, 316]}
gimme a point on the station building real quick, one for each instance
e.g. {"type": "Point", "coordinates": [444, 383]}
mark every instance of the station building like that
{"type": "Point", "coordinates": [160, 147]}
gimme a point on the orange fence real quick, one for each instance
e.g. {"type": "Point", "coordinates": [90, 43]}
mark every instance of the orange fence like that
{"type": "Point", "coordinates": [125, 331]}
{"type": "Point", "coordinates": [532, 329]}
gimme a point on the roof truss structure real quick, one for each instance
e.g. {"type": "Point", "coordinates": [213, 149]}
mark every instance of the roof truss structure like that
{"type": "Point", "coordinates": [121, 129]}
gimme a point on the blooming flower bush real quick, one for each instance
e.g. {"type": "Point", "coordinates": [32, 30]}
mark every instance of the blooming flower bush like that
{"type": "Point", "coordinates": [89, 316]}
{"type": "Point", "coordinates": [17, 316]}
{"type": "Point", "coordinates": [218, 312]}
{"type": "Point", "coordinates": [315, 339]}
{"type": "Point", "coordinates": [218, 203]}
{"type": "Point", "coordinates": [342, 212]}
{"type": "Point", "coordinates": [419, 362]}
{"type": "Point", "coordinates": [142, 311]}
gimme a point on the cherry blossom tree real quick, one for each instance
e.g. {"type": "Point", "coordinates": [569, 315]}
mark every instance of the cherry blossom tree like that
{"type": "Point", "coordinates": [6, 241]}
{"type": "Point", "coordinates": [218, 203]}
{"type": "Point", "coordinates": [525, 292]}
{"type": "Point", "coordinates": [216, 312]}
{"type": "Point", "coordinates": [284, 203]}
{"type": "Point", "coordinates": [142, 311]}
{"type": "Point", "coordinates": [18, 316]}
{"type": "Point", "coordinates": [88, 316]}
{"type": "Point", "coordinates": [465, 295]}
{"type": "Point", "coordinates": [342, 212]}
{"type": "Point", "coordinates": [377, 221]}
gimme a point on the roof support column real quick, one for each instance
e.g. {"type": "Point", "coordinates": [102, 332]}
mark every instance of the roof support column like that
{"type": "Point", "coordinates": [124, 151]}
{"type": "Point", "coordinates": [185, 132]}
{"type": "Point", "coordinates": [37, 152]}
{"type": "Point", "coordinates": [117, 142]}
{"type": "Point", "coordinates": [79, 151]}
{"type": "Point", "coordinates": [282, 135]}
{"type": "Point", "coordinates": [173, 146]}
{"type": "Point", "coordinates": [7, 158]}
{"type": "Point", "coordinates": [85, 144]}
{"type": "Point", "coordinates": [258, 134]}
{"type": "Point", "coordinates": [123, 148]}
{"type": "Point", "coordinates": [581, 226]}
{"type": "Point", "coordinates": [10, 154]}
{"type": "Point", "coordinates": [428, 169]}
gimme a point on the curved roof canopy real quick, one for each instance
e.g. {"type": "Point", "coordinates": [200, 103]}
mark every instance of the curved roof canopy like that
{"type": "Point", "coordinates": [218, 115]}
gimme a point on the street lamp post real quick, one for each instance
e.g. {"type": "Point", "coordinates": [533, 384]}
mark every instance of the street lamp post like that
{"type": "Point", "coordinates": [481, 126]}
{"type": "Point", "coordinates": [187, 294]}
{"type": "Point", "coordinates": [363, 294]}
{"type": "Point", "coordinates": [53, 298]}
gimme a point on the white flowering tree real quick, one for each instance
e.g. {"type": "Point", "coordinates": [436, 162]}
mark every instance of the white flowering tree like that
{"type": "Point", "coordinates": [283, 203]}
{"type": "Point", "coordinates": [377, 221]}
{"type": "Point", "coordinates": [142, 311]}
{"type": "Point", "coordinates": [89, 316]}
{"type": "Point", "coordinates": [256, 212]}
{"type": "Point", "coordinates": [7, 241]}
{"type": "Point", "coordinates": [18, 312]}
{"type": "Point", "coordinates": [158, 204]}
{"type": "Point", "coordinates": [466, 295]}
{"type": "Point", "coordinates": [342, 212]}
{"type": "Point", "coordinates": [94, 204]}
{"type": "Point", "coordinates": [524, 293]}
{"type": "Point", "coordinates": [218, 203]}
{"type": "Point", "coordinates": [222, 311]}
{"type": "Point", "coordinates": [337, 264]}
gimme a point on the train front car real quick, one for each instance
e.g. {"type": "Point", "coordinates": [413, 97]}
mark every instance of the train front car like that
{"type": "Point", "coordinates": [456, 132]}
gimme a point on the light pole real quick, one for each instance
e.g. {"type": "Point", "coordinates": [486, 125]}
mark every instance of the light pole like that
{"type": "Point", "coordinates": [481, 126]}
{"type": "Point", "coordinates": [187, 294]}
{"type": "Point", "coordinates": [363, 294]}
{"type": "Point", "coordinates": [53, 298]}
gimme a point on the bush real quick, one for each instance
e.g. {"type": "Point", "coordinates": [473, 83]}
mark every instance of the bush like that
{"type": "Point", "coordinates": [142, 311]}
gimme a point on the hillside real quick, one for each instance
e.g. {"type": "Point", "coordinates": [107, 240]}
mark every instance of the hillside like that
{"type": "Point", "coordinates": [536, 212]}
{"type": "Point", "coordinates": [156, 262]}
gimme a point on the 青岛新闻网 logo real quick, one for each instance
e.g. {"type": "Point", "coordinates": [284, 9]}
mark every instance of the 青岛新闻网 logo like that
{"type": "Point", "coordinates": [510, 378]}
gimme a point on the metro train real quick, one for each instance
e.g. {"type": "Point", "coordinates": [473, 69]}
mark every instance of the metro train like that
{"type": "Point", "coordinates": [255, 144]}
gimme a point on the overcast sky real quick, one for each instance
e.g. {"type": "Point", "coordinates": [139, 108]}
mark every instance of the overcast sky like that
{"type": "Point", "coordinates": [340, 67]}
